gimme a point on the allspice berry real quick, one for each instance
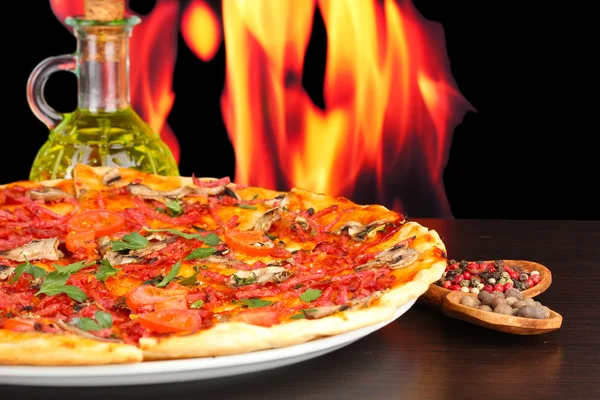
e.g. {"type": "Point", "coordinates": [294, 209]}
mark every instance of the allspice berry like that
{"type": "Point", "coordinates": [470, 301]}
{"type": "Point", "coordinates": [546, 312]}
{"type": "Point", "coordinates": [526, 311]}
{"type": "Point", "coordinates": [530, 302]}
{"type": "Point", "coordinates": [497, 301]}
{"type": "Point", "coordinates": [510, 300]}
{"type": "Point", "coordinates": [518, 304]}
{"type": "Point", "coordinates": [503, 308]}
{"type": "Point", "coordinates": [485, 297]}
{"type": "Point", "coordinates": [538, 312]}
{"type": "Point", "coordinates": [485, 308]}
{"type": "Point", "coordinates": [514, 293]}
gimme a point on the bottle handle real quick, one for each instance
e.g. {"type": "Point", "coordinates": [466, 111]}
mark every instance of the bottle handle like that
{"type": "Point", "coordinates": [37, 81]}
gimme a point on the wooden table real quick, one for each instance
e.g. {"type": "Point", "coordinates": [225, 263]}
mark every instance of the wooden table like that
{"type": "Point", "coordinates": [424, 355]}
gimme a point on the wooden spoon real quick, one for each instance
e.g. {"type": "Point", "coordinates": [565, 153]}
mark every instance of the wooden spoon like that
{"type": "Point", "coordinates": [435, 295]}
{"type": "Point", "coordinates": [499, 322]}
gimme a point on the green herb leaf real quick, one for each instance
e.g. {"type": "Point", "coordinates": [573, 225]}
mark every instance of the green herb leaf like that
{"type": "Point", "coordinates": [255, 196]}
{"type": "Point", "coordinates": [104, 319]}
{"type": "Point", "coordinates": [244, 281]}
{"type": "Point", "coordinates": [272, 237]}
{"type": "Point", "coordinates": [172, 274]}
{"type": "Point", "coordinates": [210, 239]}
{"type": "Point", "coordinates": [29, 268]}
{"type": "Point", "coordinates": [197, 304]}
{"type": "Point", "coordinates": [246, 206]}
{"type": "Point", "coordinates": [201, 252]}
{"type": "Point", "coordinates": [71, 268]}
{"type": "Point", "coordinates": [131, 241]}
{"type": "Point", "coordinates": [153, 281]}
{"type": "Point", "coordinates": [175, 209]}
{"type": "Point", "coordinates": [310, 295]}
{"type": "Point", "coordinates": [105, 270]}
{"type": "Point", "coordinates": [298, 316]}
{"type": "Point", "coordinates": [87, 324]}
{"type": "Point", "coordinates": [256, 303]}
{"type": "Point", "coordinates": [55, 283]}
{"type": "Point", "coordinates": [190, 280]}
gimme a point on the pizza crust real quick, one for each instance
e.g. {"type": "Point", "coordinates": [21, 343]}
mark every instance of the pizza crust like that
{"type": "Point", "coordinates": [38, 348]}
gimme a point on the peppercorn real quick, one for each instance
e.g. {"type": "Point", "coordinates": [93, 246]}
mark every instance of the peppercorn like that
{"type": "Point", "coordinates": [503, 308]}
{"type": "Point", "coordinates": [514, 293]}
{"type": "Point", "coordinates": [502, 281]}
{"type": "Point", "coordinates": [484, 275]}
{"type": "Point", "coordinates": [534, 273]}
{"type": "Point", "coordinates": [496, 275]}
{"type": "Point", "coordinates": [474, 290]}
{"type": "Point", "coordinates": [475, 281]}
{"type": "Point", "coordinates": [479, 262]}
{"type": "Point", "coordinates": [463, 264]}
{"type": "Point", "coordinates": [519, 285]}
{"type": "Point", "coordinates": [451, 262]}
{"type": "Point", "coordinates": [459, 270]}
{"type": "Point", "coordinates": [505, 275]}
{"type": "Point", "coordinates": [450, 275]}
{"type": "Point", "coordinates": [470, 301]}
{"type": "Point", "coordinates": [526, 312]}
{"type": "Point", "coordinates": [480, 286]}
{"type": "Point", "coordinates": [499, 263]}
{"type": "Point", "coordinates": [523, 277]}
{"type": "Point", "coordinates": [491, 281]}
{"type": "Point", "coordinates": [465, 283]}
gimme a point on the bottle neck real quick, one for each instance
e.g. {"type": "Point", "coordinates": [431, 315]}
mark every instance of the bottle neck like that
{"type": "Point", "coordinates": [103, 69]}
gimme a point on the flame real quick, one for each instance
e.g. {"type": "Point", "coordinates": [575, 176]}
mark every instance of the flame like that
{"type": "Point", "coordinates": [153, 50]}
{"type": "Point", "coordinates": [201, 30]}
{"type": "Point", "coordinates": [391, 102]}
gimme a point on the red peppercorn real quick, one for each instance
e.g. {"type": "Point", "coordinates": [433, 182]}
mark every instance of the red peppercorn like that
{"type": "Point", "coordinates": [530, 282]}
{"type": "Point", "coordinates": [452, 267]}
{"type": "Point", "coordinates": [514, 275]}
{"type": "Point", "coordinates": [447, 284]}
{"type": "Point", "coordinates": [456, 287]}
{"type": "Point", "coordinates": [508, 286]}
{"type": "Point", "coordinates": [488, 288]}
{"type": "Point", "coordinates": [536, 279]}
{"type": "Point", "coordinates": [460, 277]}
{"type": "Point", "coordinates": [499, 287]}
{"type": "Point", "coordinates": [467, 275]}
{"type": "Point", "coordinates": [491, 270]}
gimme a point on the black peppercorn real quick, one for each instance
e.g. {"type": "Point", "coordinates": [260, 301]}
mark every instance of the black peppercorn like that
{"type": "Point", "coordinates": [496, 275]}
{"type": "Point", "coordinates": [452, 262]}
{"type": "Point", "coordinates": [458, 270]}
{"type": "Point", "coordinates": [463, 264]}
{"type": "Point", "coordinates": [499, 263]}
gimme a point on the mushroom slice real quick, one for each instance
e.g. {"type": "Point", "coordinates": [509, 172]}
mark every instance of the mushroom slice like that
{"type": "Point", "coordinates": [133, 256]}
{"type": "Point", "coordinates": [145, 192]}
{"type": "Point", "coordinates": [358, 231]}
{"type": "Point", "coordinates": [5, 272]}
{"type": "Point", "coordinates": [260, 275]}
{"type": "Point", "coordinates": [396, 257]}
{"type": "Point", "coordinates": [282, 199]}
{"type": "Point", "coordinates": [324, 311]}
{"type": "Point", "coordinates": [111, 177]}
{"type": "Point", "coordinates": [39, 249]}
{"type": "Point", "coordinates": [48, 194]}
{"type": "Point", "coordinates": [266, 220]}
{"type": "Point", "coordinates": [229, 262]}
{"type": "Point", "coordinates": [229, 192]}
{"type": "Point", "coordinates": [80, 332]}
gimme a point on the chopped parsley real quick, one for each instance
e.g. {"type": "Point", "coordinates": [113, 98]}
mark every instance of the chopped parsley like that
{"type": "Point", "coordinates": [256, 303]}
{"type": "Point", "coordinates": [210, 239]}
{"type": "Point", "coordinates": [28, 268]}
{"type": "Point", "coordinates": [172, 274]}
{"type": "Point", "coordinates": [310, 295]}
{"type": "Point", "coordinates": [56, 283]}
{"type": "Point", "coordinates": [105, 270]}
{"type": "Point", "coordinates": [201, 252]}
{"type": "Point", "coordinates": [238, 281]}
{"type": "Point", "coordinates": [197, 304]}
{"type": "Point", "coordinates": [103, 320]}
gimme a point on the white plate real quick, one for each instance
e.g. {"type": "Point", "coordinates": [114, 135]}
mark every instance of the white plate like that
{"type": "Point", "coordinates": [183, 370]}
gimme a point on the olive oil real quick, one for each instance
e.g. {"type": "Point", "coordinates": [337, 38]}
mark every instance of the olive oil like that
{"type": "Point", "coordinates": [104, 130]}
{"type": "Point", "coordinates": [115, 139]}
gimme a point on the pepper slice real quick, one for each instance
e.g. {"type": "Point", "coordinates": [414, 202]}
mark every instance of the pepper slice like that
{"type": "Point", "coordinates": [171, 321]}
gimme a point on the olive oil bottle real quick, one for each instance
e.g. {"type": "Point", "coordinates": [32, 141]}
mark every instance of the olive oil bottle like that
{"type": "Point", "coordinates": [104, 130]}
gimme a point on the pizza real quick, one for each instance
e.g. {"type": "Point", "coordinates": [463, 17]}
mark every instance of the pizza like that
{"type": "Point", "coordinates": [120, 266]}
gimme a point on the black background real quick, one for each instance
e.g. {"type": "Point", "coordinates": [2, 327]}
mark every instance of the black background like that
{"type": "Point", "coordinates": [528, 152]}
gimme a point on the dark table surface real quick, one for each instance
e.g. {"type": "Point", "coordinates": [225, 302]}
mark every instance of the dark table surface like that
{"type": "Point", "coordinates": [424, 355]}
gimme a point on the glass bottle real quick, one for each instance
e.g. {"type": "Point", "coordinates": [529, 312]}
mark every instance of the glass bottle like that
{"type": "Point", "coordinates": [103, 130]}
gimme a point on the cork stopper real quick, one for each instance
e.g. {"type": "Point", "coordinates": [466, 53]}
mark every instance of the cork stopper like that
{"type": "Point", "coordinates": [103, 10]}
